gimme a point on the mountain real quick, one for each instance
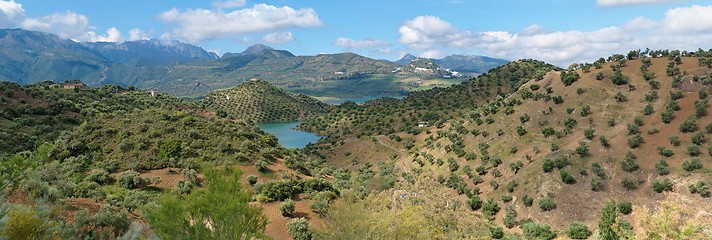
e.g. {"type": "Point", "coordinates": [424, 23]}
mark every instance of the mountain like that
{"type": "Point", "coordinates": [29, 56]}
{"type": "Point", "coordinates": [469, 63]}
{"type": "Point", "coordinates": [154, 52]}
{"type": "Point", "coordinates": [460, 63]}
{"type": "Point", "coordinates": [260, 50]}
{"type": "Point", "coordinates": [189, 71]}
{"type": "Point", "coordinates": [405, 59]}
{"type": "Point", "coordinates": [260, 101]}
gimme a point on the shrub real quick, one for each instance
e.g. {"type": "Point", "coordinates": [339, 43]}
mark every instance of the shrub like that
{"type": "Point", "coordinates": [287, 208]}
{"type": "Point", "coordinates": [567, 178]}
{"type": "Point", "coordinates": [528, 201]}
{"type": "Point", "coordinates": [510, 218]}
{"type": "Point", "coordinates": [689, 125]}
{"type": "Point", "coordinates": [648, 110]}
{"type": "Point", "coordinates": [578, 230]}
{"type": "Point", "coordinates": [252, 179]}
{"type": "Point", "coordinates": [693, 150]}
{"type": "Point", "coordinates": [625, 207]}
{"type": "Point", "coordinates": [588, 133]}
{"type": "Point", "coordinates": [662, 167]}
{"type": "Point", "coordinates": [548, 165]}
{"type": "Point", "coordinates": [582, 149]}
{"type": "Point", "coordinates": [604, 142]}
{"type": "Point", "coordinates": [547, 204]}
{"type": "Point", "coordinates": [558, 99]}
{"type": "Point", "coordinates": [635, 141]}
{"type": "Point", "coordinates": [490, 208]}
{"type": "Point", "coordinates": [596, 184]}
{"type": "Point", "coordinates": [496, 232]}
{"type": "Point", "coordinates": [692, 164]}
{"type": "Point", "coordinates": [628, 183]}
{"type": "Point", "coordinates": [675, 141]}
{"type": "Point", "coordinates": [620, 97]}
{"type": "Point", "coordinates": [662, 186]}
{"type": "Point", "coordinates": [700, 187]}
{"type": "Point", "coordinates": [299, 229]}
{"type": "Point", "coordinates": [131, 179]}
{"type": "Point", "coordinates": [474, 202]}
{"type": "Point", "coordinates": [628, 164]}
{"type": "Point", "coordinates": [507, 198]}
{"type": "Point", "coordinates": [597, 169]}
{"type": "Point", "coordinates": [665, 152]}
{"type": "Point", "coordinates": [521, 131]}
{"type": "Point", "coordinates": [534, 230]}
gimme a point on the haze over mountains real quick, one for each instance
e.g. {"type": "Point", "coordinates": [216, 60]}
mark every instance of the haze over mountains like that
{"type": "Point", "coordinates": [183, 69]}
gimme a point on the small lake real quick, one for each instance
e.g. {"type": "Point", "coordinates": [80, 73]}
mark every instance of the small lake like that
{"type": "Point", "coordinates": [288, 136]}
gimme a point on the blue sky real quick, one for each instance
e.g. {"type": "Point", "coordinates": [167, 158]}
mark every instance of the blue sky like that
{"type": "Point", "coordinates": [557, 31]}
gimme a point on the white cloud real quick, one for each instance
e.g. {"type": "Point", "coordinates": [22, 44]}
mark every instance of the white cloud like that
{"type": "Point", "coordinates": [112, 35]}
{"type": "Point", "coordinates": [66, 25]}
{"type": "Point", "coordinates": [363, 43]}
{"type": "Point", "coordinates": [279, 37]}
{"type": "Point", "coordinates": [686, 28]}
{"type": "Point", "coordinates": [691, 19]}
{"type": "Point", "coordinates": [196, 25]}
{"type": "Point", "coordinates": [229, 3]}
{"type": "Point", "coordinates": [617, 3]}
{"type": "Point", "coordinates": [10, 13]}
{"type": "Point", "coordinates": [138, 34]}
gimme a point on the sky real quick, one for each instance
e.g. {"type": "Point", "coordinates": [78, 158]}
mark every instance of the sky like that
{"type": "Point", "coordinates": [556, 31]}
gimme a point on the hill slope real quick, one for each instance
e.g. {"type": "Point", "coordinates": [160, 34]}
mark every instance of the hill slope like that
{"type": "Point", "coordinates": [556, 147]}
{"type": "Point", "coordinates": [260, 101]}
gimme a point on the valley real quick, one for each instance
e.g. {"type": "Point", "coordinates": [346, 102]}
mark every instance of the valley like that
{"type": "Point", "coordinates": [612, 149]}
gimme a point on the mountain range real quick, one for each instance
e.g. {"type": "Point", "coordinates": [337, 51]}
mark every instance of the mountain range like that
{"type": "Point", "coordinates": [460, 63]}
{"type": "Point", "coordinates": [187, 70]}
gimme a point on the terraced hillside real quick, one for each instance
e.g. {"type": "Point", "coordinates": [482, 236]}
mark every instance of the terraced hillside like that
{"type": "Point", "coordinates": [569, 149]}
{"type": "Point", "coordinates": [260, 101]}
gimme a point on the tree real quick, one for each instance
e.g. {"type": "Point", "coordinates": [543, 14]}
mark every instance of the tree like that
{"type": "Point", "coordinates": [222, 202]}
{"type": "Point", "coordinates": [299, 229]}
{"type": "Point", "coordinates": [510, 217]}
{"type": "Point", "coordinates": [578, 230]}
{"type": "Point", "coordinates": [566, 177]}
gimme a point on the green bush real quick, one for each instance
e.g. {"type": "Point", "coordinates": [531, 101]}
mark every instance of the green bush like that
{"type": "Point", "coordinates": [527, 200]}
{"type": "Point", "coordinates": [534, 230]}
{"type": "Point", "coordinates": [692, 164]}
{"type": "Point", "coordinates": [547, 204]}
{"type": "Point", "coordinates": [567, 178]}
{"type": "Point", "coordinates": [661, 186]}
{"type": "Point", "coordinates": [474, 202]}
{"type": "Point", "coordinates": [287, 208]}
{"type": "Point", "coordinates": [490, 208]}
{"type": "Point", "coordinates": [510, 218]}
{"type": "Point", "coordinates": [625, 207]}
{"type": "Point", "coordinates": [131, 180]}
{"type": "Point", "coordinates": [578, 230]}
{"type": "Point", "coordinates": [628, 164]}
{"type": "Point", "coordinates": [298, 229]}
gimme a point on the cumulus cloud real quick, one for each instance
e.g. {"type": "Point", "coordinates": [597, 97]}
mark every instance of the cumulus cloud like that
{"type": "Point", "coordinates": [196, 25]}
{"type": "Point", "coordinates": [617, 3]}
{"type": "Point", "coordinates": [681, 28]}
{"type": "Point", "coordinates": [279, 37]}
{"type": "Point", "coordinates": [67, 25]}
{"type": "Point", "coordinates": [112, 35]}
{"type": "Point", "coordinates": [138, 34]}
{"type": "Point", "coordinates": [229, 3]}
{"type": "Point", "coordinates": [10, 13]}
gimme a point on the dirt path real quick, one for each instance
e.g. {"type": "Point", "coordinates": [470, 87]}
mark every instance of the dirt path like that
{"type": "Point", "coordinates": [403, 161]}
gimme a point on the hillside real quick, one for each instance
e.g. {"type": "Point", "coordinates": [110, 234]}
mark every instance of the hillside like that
{"type": "Point", "coordinates": [102, 163]}
{"type": "Point", "coordinates": [556, 151]}
{"type": "Point", "coordinates": [260, 101]}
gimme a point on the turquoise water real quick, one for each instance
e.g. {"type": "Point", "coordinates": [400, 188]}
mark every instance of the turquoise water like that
{"type": "Point", "coordinates": [286, 134]}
